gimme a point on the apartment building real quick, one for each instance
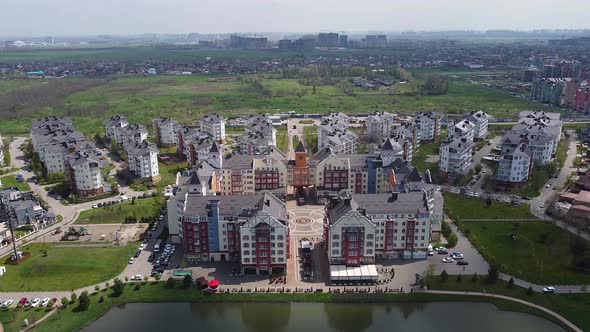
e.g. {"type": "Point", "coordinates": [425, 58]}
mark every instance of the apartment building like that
{"type": "Point", "coordinates": [184, 137]}
{"type": "Point", "coordinates": [165, 131]}
{"type": "Point", "coordinates": [251, 229]}
{"type": "Point", "coordinates": [409, 130]}
{"type": "Point", "coordinates": [515, 164]}
{"type": "Point", "coordinates": [214, 125]}
{"type": "Point", "coordinates": [204, 149]}
{"type": "Point", "coordinates": [455, 156]}
{"type": "Point", "coordinates": [361, 227]}
{"type": "Point", "coordinates": [114, 123]}
{"type": "Point", "coordinates": [131, 134]}
{"type": "Point", "coordinates": [1, 151]}
{"type": "Point", "coordinates": [258, 136]}
{"type": "Point", "coordinates": [541, 145]}
{"type": "Point", "coordinates": [333, 133]}
{"type": "Point", "coordinates": [430, 125]}
{"type": "Point", "coordinates": [270, 171]}
{"type": "Point", "coordinates": [379, 126]}
{"type": "Point", "coordinates": [142, 160]}
{"type": "Point", "coordinates": [238, 175]}
{"type": "Point", "coordinates": [395, 148]}
{"type": "Point", "coordinates": [462, 129]}
{"type": "Point", "coordinates": [480, 120]}
{"type": "Point", "coordinates": [84, 173]}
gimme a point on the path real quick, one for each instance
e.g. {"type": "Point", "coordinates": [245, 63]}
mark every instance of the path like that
{"type": "Point", "coordinates": [503, 297]}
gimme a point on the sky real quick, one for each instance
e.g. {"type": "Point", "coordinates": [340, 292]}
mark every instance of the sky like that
{"type": "Point", "coordinates": [90, 17]}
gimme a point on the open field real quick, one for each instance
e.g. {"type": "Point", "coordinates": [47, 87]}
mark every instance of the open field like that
{"type": "Point", "coordinates": [535, 251]}
{"type": "Point", "coordinates": [115, 214]}
{"type": "Point", "coordinates": [65, 268]}
{"type": "Point", "coordinates": [10, 181]}
{"type": "Point", "coordinates": [282, 139]}
{"type": "Point", "coordinates": [71, 320]}
{"type": "Point", "coordinates": [459, 207]}
{"type": "Point", "coordinates": [573, 307]}
{"type": "Point", "coordinates": [185, 98]}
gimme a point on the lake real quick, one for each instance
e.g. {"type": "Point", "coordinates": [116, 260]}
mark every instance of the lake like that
{"type": "Point", "coordinates": [295, 317]}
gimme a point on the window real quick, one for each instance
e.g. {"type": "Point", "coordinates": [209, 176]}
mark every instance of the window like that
{"type": "Point", "coordinates": [369, 236]}
{"type": "Point", "coordinates": [279, 237]}
{"type": "Point", "coordinates": [280, 244]}
{"type": "Point", "coordinates": [369, 243]}
{"type": "Point", "coordinates": [281, 252]}
{"type": "Point", "coordinates": [246, 245]}
{"type": "Point", "coordinates": [246, 252]}
{"type": "Point", "coordinates": [335, 244]}
{"type": "Point", "coordinates": [246, 238]}
{"type": "Point", "coordinates": [335, 237]}
{"type": "Point", "coordinates": [335, 251]}
{"type": "Point", "coordinates": [246, 260]}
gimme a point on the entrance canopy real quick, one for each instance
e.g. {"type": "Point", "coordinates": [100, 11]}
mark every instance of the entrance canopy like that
{"type": "Point", "coordinates": [353, 273]}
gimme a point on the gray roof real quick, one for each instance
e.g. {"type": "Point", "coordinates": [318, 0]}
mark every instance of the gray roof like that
{"type": "Point", "coordinates": [237, 161]}
{"type": "Point", "coordinates": [142, 148]}
{"type": "Point", "coordinates": [115, 120]}
{"type": "Point", "coordinates": [212, 118]}
{"type": "Point", "coordinates": [52, 120]}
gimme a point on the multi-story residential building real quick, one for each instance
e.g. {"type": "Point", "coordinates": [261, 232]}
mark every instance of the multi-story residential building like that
{"type": "Point", "coordinates": [184, 137]}
{"type": "Point", "coordinates": [142, 159]}
{"type": "Point", "coordinates": [203, 179]}
{"type": "Point", "coordinates": [409, 130]}
{"type": "Point", "coordinates": [165, 131]}
{"type": "Point", "coordinates": [541, 124]}
{"type": "Point", "coordinates": [549, 90]}
{"type": "Point", "coordinates": [258, 136]}
{"type": "Point", "coordinates": [361, 227]}
{"type": "Point", "coordinates": [51, 131]}
{"type": "Point", "coordinates": [397, 147]}
{"type": "Point", "coordinates": [214, 125]}
{"type": "Point", "coordinates": [204, 149]}
{"type": "Point", "coordinates": [541, 146]}
{"type": "Point", "coordinates": [480, 121]}
{"type": "Point", "coordinates": [462, 129]}
{"type": "Point", "coordinates": [84, 173]}
{"type": "Point", "coordinates": [430, 125]}
{"type": "Point", "coordinates": [252, 229]}
{"type": "Point", "coordinates": [238, 175]}
{"type": "Point", "coordinates": [333, 133]}
{"type": "Point", "coordinates": [582, 98]}
{"type": "Point", "coordinates": [379, 126]}
{"type": "Point", "coordinates": [515, 164]}
{"type": "Point", "coordinates": [114, 123]}
{"type": "Point", "coordinates": [270, 171]}
{"type": "Point", "coordinates": [131, 134]}
{"type": "Point", "coordinates": [455, 156]}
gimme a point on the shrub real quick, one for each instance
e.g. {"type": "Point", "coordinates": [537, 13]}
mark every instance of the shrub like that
{"type": "Point", "coordinates": [73, 297]}
{"type": "Point", "coordinates": [118, 287]}
{"type": "Point", "coordinates": [187, 281]}
{"type": "Point", "coordinates": [170, 283]}
{"type": "Point", "coordinates": [452, 241]}
{"type": "Point", "coordinates": [137, 286]}
{"type": "Point", "coordinates": [444, 275]}
{"type": "Point", "coordinates": [492, 275]}
{"type": "Point", "coordinates": [84, 301]}
{"type": "Point", "coordinates": [474, 278]}
{"type": "Point", "coordinates": [101, 299]}
{"type": "Point", "coordinates": [510, 283]}
{"type": "Point", "coordinates": [529, 291]}
{"type": "Point", "coordinates": [64, 301]}
{"type": "Point", "coordinates": [458, 278]}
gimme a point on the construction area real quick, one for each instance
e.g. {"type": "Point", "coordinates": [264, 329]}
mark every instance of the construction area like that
{"type": "Point", "coordinates": [107, 233]}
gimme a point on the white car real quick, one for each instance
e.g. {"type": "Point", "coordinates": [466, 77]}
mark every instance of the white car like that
{"type": "Point", "coordinates": [137, 277]}
{"type": "Point", "coordinates": [430, 252]}
{"type": "Point", "coordinates": [447, 260]}
{"type": "Point", "coordinates": [131, 260]}
{"type": "Point", "coordinates": [142, 246]}
{"type": "Point", "coordinates": [542, 205]}
{"type": "Point", "coordinates": [35, 302]}
{"type": "Point", "coordinates": [45, 302]}
{"type": "Point", "coordinates": [95, 206]}
{"type": "Point", "coordinates": [7, 303]}
{"type": "Point", "coordinates": [548, 289]}
{"type": "Point", "coordinates": [547, 186]}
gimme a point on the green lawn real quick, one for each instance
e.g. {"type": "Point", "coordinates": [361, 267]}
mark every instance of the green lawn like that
{"type": "Point", "coordinates": [282, 139]}
{"type": "Point", "coordinates": [535, 251]}
{"type": "Point", "coordinates": [65, 268]}
{"type": "Point", "coordinates": [311, 138]}
{"type": "Point", "coordinates": [463, 207]}
{"type": "Point", "coordinates": [574, 307]}
{"type": "Point", "coordinates": [115, 214]}
{"type": "Point", "coordinates": [169, 150]}
{"type": "Point", "coordinates": [425, 150]}
{"type": "Point", "coordinates": [185, 98]}
{"type": "Point", "coordinates": [70, 320]}
{"type": "Point", "coordinates": [10, 181]}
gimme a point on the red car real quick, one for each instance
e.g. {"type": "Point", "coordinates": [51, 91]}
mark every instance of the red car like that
{"type": "Point", "coordinates": [22, 302]}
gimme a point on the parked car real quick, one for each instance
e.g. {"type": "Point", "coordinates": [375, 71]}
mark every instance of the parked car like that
{"type": "Point", "coordinates": [22, 302]}
{"type": "Point", "coordinates": [462, 262]}
{"type": "Point", "coordinates": [45, 302]}
{"type": "Point", "coordinates": [549, 290]}
{"type": "Point", "coordinates": [443, 252]}
{"type": "Point", "coordinates": [457, 255]}
{"type": "Point", "coordinates": [151, 258]}
{"type": "Point", "coordinates": [447, 260]}
{"type": "Point", "coordinates": [35, 302]}
{"type": "Point", "coordinates": [137, 277]}
{"type": "Point", "coordinates": [131, 260]}
{"type": "Point", "coordinates": [7, 303]}
{"type": "Point", "coordinates": [137, 253]}
{"type": "Point", "coordinates": [430, 252]}
{"type": "Point", "coordinates": [542, 205]}
{"type": "Point", "coordinates": [95, 206]}
{"type": "Point", "coordinates": [142, 246]}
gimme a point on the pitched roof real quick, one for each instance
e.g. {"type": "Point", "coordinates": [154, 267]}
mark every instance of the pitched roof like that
{"type": "Point", "coordinates": [300, 147]}
{"type": "Point", "coordinates": [414, 176]}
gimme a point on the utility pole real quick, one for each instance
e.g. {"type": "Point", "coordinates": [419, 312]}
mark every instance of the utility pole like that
{"type": "Point", "coordinates": [8, 216]}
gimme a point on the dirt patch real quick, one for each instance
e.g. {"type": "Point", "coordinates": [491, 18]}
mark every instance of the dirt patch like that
{"type": "Point", "coordinates": [113, 233]}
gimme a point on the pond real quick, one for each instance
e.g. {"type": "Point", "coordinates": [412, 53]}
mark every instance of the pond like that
{"type": "Point", "coordinates": [291, 317]}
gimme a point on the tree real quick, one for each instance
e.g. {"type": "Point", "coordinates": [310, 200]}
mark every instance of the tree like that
{"type": "Point", "coordinates": [474, 278]}
{"type": "Point", "coordinates": [126, 279]}
{"type": "Point", "coordinates": [64, 301]}
{"type": "Point", "coordinates": [529, 291]}
{"type": "Point", "coordinates": [73, 297]}
{"type": "Point", "coordinates": [101, 299]}
{"type": "Point", "coordinates": [478, 169]}
{"type": "Point", "coordinates": [97, 288]}
{"type": "Point", "coordinates": [458, 278]}
{"type": "Point", "coordinates": [118, 287]}
{"type": "Point", "coordinates": [444, 275]}
{"type": "Point", "coordinates": [488, 202]}
{"type": "Point", "coordinates": [187, 281]}
{"type": "Point", "coordinates": [170, 283]}
{"type": "Point", "coordinates": [84, 301]}
{"type": "Point", "coordinates": [157, 277]}
{"type": "Point", "coordinates": [492, 274]}
{"type": "Point", "coordinates": [510, 283]}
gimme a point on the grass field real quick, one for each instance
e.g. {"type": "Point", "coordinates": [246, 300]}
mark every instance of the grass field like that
{"type": "Point", "coordinates": [311, 139]}
{"type": "Point", "coordinates": [115, 214]}
{"type": "Point", "coordinates": [65, 268]}
{"type": "Point", "coordinates": [535, 251]}
{"type": "Point", "coordinates": [10, 181]}
{"type": "Point", "coordinates": [425, 150]}
{"type": "Point", "coordinates": [185, 98]}
{"type": "Point", "coordinates": [70, 320]}
{"type": "Point", "coordinates": [573, 307]}
{"type": "Point", "coordinates": [463, 207]}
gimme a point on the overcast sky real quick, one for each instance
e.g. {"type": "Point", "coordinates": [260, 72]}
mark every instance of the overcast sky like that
{"type": "Point", "coordinates": [77, 17]}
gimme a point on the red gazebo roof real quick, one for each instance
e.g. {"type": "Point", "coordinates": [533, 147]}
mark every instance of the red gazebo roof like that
{"type": "Point", "coordinates": [214, 283]}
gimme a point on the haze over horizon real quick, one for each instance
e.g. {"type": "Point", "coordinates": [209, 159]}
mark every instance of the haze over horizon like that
{"type": "Point", "coordinates": [124, 17]}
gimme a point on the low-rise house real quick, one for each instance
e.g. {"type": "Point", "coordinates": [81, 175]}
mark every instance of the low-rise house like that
{"type": "Point", "coordinates": [542, 146]}
{"type": "Point", "coordinates": [184, 137]}
{"type": "Point", "coordinates": [270, 171]}
{"type": "Point", "coordinates": [258, 136]}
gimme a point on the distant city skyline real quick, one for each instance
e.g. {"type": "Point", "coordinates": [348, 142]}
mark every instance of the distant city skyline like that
{"type": "Point", "coordinates": [131, 17]}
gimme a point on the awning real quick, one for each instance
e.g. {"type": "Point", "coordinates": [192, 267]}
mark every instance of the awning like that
{"type": "Point", "coordinates": [353, 273]}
